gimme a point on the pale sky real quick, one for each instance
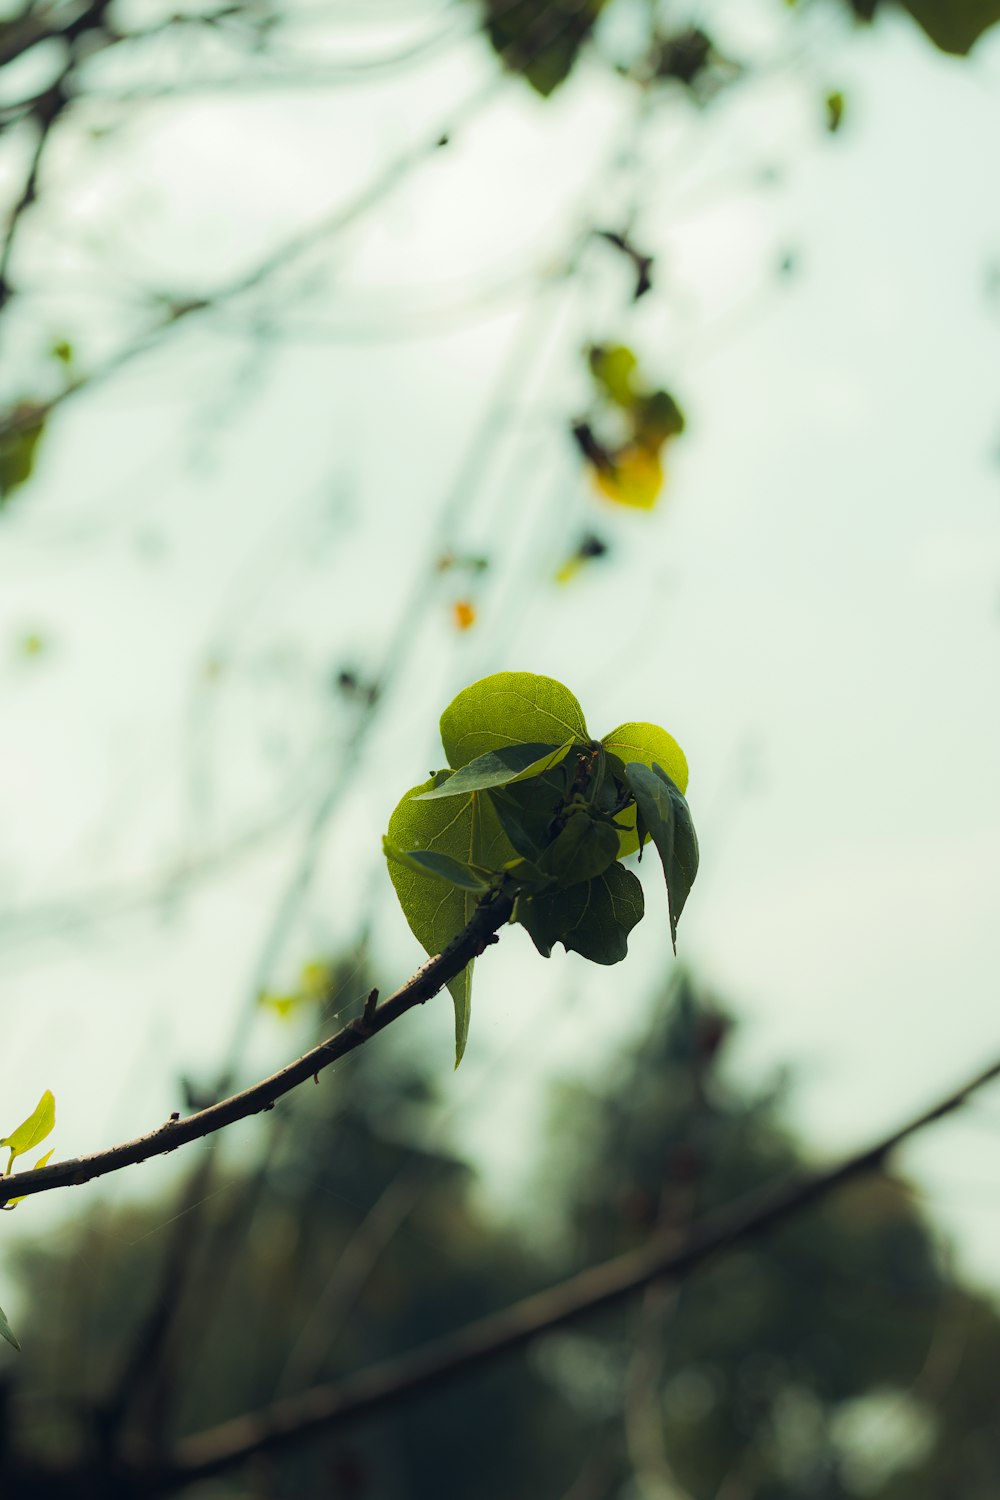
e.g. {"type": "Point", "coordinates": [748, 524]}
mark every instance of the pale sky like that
{"type": "Point", "coordinates": [813, 610]}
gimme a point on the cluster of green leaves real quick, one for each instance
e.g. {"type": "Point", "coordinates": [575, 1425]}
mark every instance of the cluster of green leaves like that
{"type": "Point", "coordinates": [29, 1134]}
{"type": "Point", "coordinates": [532, 806]}
{"type": "Point", "coordinates": [628, 468]}
{"type": "Point", "coordinates": [541, 40]}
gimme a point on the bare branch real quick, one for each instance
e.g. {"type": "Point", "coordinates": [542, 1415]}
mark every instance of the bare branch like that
{"type": "Point", "coordinates": [325, 1407]}
{"type": "Point", "coordinates": [489, 916]}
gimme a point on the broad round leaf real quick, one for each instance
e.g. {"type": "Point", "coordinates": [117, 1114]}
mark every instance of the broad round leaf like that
{"type": "Point", "coordinates": [593, 919]}
{"type": "Point", "coordinates": [509, 708]}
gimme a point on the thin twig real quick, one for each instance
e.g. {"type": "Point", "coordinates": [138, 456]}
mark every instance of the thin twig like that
{"type": "Point", "coordinates": [489, 916]}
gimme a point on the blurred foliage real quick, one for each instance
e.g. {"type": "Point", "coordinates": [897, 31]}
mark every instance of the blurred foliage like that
{"type": "Point", "coordinates": [19, 439]}
{"type": "Point", "coordinates": [269, 1304]}
{"type": "Point", "coordinates": [541, 40]}
{"type": "Point", "coordinates": [760, 1364]}
{"type": "Point", "coordinates": [953, 25]}
{"type": "Point", "coordinates": [769, 1374]}
{"type": "Point", "coordinates": [624, 438]}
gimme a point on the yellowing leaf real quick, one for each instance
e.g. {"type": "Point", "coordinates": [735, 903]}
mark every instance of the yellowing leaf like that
{"type": "Point", "coordinates": [281, 1005]}
{"type": "Point", "coordinates": [635, 478]}
{"type": "Point", "coordinates": [314, 980]}
{"type": "Point", "coordinates": [32, 1131]}
{"type": "Point", "coordinates": [464, 614]}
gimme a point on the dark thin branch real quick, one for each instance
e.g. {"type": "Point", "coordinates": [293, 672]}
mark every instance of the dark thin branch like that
{"type": "Point", "coordinates": [45, 111]}
{"type": "Point", "coordinates": [181, 310]}
{"type": "Point", "coordinates": [178, 311]}
{"type": "Point", "coordinates": [489, 916]}
{"type": "Point", "coordinates": [326, 1407]}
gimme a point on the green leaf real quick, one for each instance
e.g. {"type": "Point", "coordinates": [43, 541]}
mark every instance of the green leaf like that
{"type": "Point", "coordinates": [432, 862]}
{"type": "Point", "coordinates": [6, 1332]}
{"type": "Point", "coordinates": [954, 25]}
{"type": "Point", "coordinates": [500, 768]}
{"type": "Point", "coordinates": [834, 111]}
{"type": "Point", "coordinates": [32, 1131]}
{"type": "Point", "coordinates": [613, 367]}
{"type": "Point", "coordinates": [650, 745]}
{"type": "Point", "coordinates": [509, 708]}
{"type": "Point", "coordinates": [540, 41]}
{"type": "Point", "coordinates": [527, 810]}
{"type": "Point", "coordinates": [20, 432]}
{"type": "Point", "coordinates": [468, 830]}
{"type": "Point", "coordinates": [583, 849]}
{"type": "Point", "coordinates": [593, 919]}
{"type": "Point", "coordinates": [664, 813]}
{"type": "Point", "coordinates": [657, 419]}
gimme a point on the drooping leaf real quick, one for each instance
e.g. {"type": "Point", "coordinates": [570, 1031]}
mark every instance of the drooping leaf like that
{"type": "Point", "coordinates": [665, 815]}
{"type": "Point", "coordinates": [593, 919]}
{"type": "Point", "coordinates": [834, 110]}
{"type": "Point", "coordinates": [651, 745]}
{"type": "Point", "coordinates": [432, 862]}
{"type": "Point", "coordinates": [32, 1131]}
{"type": "Point", "coordinates": [6, 1332]}
{"type": "Point", "coordinates": [500, 768]}
{"type": "Point", "coordinates": [509, 708]}
{"type": "Point", "coordinates": [467, 830]}
{"type": "Point", "coordinates": [954, 25]}
{"type": "Point", "coordinates": [18, 448]}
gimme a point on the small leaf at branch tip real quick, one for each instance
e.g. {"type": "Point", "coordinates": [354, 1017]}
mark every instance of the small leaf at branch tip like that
{"type": "Point", "coordinates": [32, 1131]}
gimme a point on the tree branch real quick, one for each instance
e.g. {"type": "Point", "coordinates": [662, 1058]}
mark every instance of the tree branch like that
{"type": "Point", "coordinates": [489, 916]}
{"type": "Point", "coordinates": [325, 1407]}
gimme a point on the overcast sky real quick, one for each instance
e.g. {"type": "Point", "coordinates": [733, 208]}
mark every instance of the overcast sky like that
{"type": "Point", "coordinates": [813, 610]}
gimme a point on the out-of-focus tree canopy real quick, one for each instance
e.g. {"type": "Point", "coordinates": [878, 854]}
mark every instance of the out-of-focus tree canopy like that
{"type": "Point", "coordinates": [838, 1357]}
